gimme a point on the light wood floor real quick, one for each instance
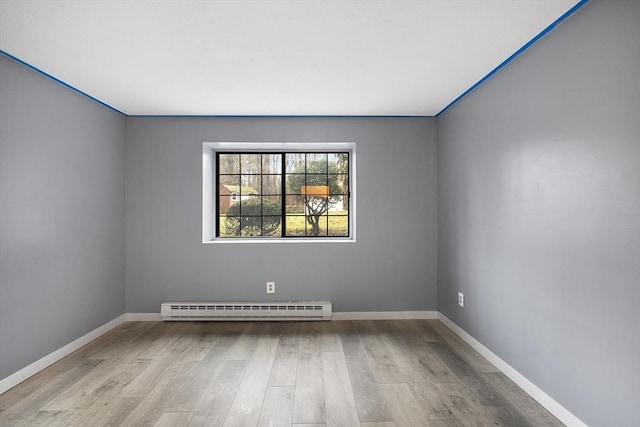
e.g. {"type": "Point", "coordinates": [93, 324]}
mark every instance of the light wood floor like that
{"type": "Point", "coordinates": [342, 373]}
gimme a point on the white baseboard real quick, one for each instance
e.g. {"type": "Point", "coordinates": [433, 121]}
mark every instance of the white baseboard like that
{"type": "Point", "coordinates": [48, 360]}
{"type": "Point", "coordinates": [384, 315]}
{"type": "Point", "coordinates": [530, 388]}
{"type": "Point", "coordinates": [143, 317]}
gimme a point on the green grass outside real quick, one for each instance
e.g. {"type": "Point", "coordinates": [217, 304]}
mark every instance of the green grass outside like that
{"type": "Point", "coordinates": [338, 225]}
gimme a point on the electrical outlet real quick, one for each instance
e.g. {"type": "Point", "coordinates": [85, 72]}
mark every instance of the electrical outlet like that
{"type": "Point", "coordinates": [271, 287]}
{"type": "Point", "coordinates": [460, 299]}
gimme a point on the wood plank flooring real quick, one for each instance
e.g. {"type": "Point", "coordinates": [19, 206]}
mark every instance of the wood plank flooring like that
{"type": "Point", "coordinates": [386, 373]}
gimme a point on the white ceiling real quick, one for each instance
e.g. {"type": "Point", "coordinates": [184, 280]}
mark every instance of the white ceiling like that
{"type": "Point", "coordinates": [289, 57]}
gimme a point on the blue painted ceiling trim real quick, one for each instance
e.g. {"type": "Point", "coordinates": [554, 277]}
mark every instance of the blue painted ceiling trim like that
{"type": "Point", "coordinates": [37, 70]}
{"type": "Point", "coordinates": [268, 116]}
{"type": "Point", "coordinates": [517, 53]}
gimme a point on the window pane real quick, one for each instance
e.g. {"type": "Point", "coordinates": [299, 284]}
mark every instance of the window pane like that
{"type": "Point", "coordinates": [317, 227]}
{"type": "Point", "coordinates": [317, 180]}
{"type": "Point", "coordinates": [316, 163]}
{"type": "Point", "coordinates": [342, 183]}
{"type": "Point", "coordinates": [271, 184]}
{"type": "Point", "coordinates": [228, 163]}
{"type": "Point", "coordinates": [272, 205]}
{"type": "Point", "coordinates": [339, 163]}
{"type": "Point", "coordinates": [251, 226]}
{"type": "Point", "coordinates": [272, 211]}
{"type": "Point", "coordinates": [229, 224]}
{"type": "Point", "coordinates": [271, 226]}
{"type": "Point", "coordinates": [339, 205]}
{"type": "Point", "coordinates": [294, 183]}
{"type": "Point", "coordinates": [295, 162]}
{"type": "Point", "coordinates": [295, 225]}
{"type": "Point", "coordinates": [271, 215]}
{"type": "Point", "coordinates": [250, 205]}
{"type": "Point", "coordinates": [251, 184]}
{"type": "Point", "coordinates": [333, 159]}
{"type": "Point", "coordinates": [228, 192]}
{"type": "Point", "coordinates": [295, 205]}
{"type": "Point", "coordinates": [250, 163]}
{"type": "Point", "coordinates": [229, 180]}
{"type": "Point", "coordinates": [271, 164]}
{"type": "Point", "coordinates": [338, 224]}
{"type": "Point", "coordinates": [334, 184]}
{"type": "Point", "coordinates": [316, 205]}
{"type": "Point", "coordinates": [229, 228]}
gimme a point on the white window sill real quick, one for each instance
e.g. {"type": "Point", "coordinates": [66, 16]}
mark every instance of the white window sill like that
{"type": "Point", "coordinates": [278, 241]}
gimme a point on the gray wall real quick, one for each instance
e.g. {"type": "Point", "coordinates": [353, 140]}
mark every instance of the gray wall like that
{"type": "Point", "coordinates": [392, 266]}
{"type": "Point", "coordinates": [61, 216]}
{"type": "Point", "coordinates": [539, 207]}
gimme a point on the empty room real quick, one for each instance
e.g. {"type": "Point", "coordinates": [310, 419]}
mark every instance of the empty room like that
{"type": "Point", "coordinates": [320, 213]}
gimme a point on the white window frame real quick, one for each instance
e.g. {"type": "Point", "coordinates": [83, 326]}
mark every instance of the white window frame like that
{"type": "Point", "coordinates": [209, 208]}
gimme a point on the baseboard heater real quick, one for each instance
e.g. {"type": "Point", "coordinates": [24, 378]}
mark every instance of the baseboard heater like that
{"type": "Point", "coordinates": [296, 310]}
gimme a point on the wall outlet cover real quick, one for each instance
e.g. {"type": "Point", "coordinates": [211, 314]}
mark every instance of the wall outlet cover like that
{"type": "Point", "coordinates": [271, 287]}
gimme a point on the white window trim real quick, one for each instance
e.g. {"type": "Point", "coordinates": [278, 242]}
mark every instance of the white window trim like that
{"type": "Point", "coordinates": [209, 150]}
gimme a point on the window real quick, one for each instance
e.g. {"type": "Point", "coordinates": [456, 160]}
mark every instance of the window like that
{"type": "Point", "coordinates": [302, 191]}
